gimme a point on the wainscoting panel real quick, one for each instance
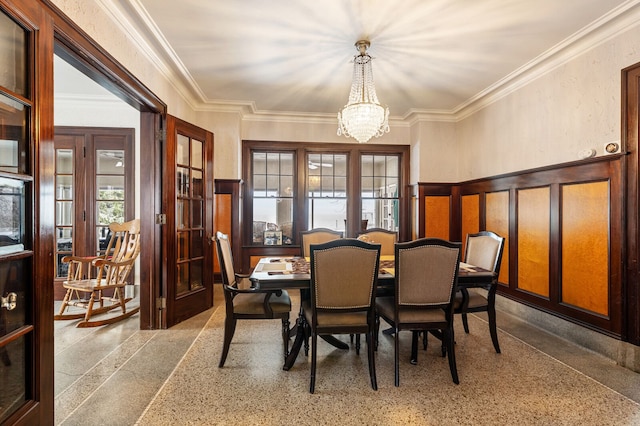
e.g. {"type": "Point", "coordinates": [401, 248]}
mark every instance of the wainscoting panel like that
{"type": "Point", "coordinates": [437, 216]}
{"type": "Point", "coordinates": [497, 220]}
{"type": "Point", "coordinates": [533, 240]}
{"type": "Point", "coordinates": [222, 220]}
{"type": "Point", "coordinates": [470, 217]}
{"type": "Point", "coordinates": [585, 251]}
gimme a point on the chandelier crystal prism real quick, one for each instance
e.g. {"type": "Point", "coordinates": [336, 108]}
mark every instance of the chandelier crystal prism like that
{"type": "Point", "coordinates": [363, 117]}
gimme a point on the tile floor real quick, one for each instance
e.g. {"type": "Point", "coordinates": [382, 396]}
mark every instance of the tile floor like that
{"type": "Point", "coordinates": [119, 375]}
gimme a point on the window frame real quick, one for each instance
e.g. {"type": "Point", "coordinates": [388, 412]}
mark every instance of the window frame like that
{"type": "Point", "coordinates": [300, 202]}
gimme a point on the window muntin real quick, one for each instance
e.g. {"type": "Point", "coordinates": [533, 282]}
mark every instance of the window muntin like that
{"type": "Point", "coordinates": [273, 195]}
{"type": "Point", "coordinates": [379, 184]}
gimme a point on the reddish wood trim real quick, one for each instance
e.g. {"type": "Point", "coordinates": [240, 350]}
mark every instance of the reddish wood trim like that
{"type": "Point", "coordinates": [300, 209]}
{"type": "Point", "coordinates": [629, 143]}
{"type": "Point", "coordinates": [234, 188]}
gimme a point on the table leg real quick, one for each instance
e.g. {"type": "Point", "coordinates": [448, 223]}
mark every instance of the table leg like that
{"type": "Point", "coordinates": [297, 344]}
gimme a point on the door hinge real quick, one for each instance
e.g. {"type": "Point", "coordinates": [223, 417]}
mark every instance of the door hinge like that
{"type": "Point", "coordinates": [161, 303]}
{"type": "Point", "coordinates": [161, 135]}
{"type": "Point", "coordinates": [161, 219]}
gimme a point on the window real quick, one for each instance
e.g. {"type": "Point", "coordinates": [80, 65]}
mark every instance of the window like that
{"type": "Point", "coordinates": [327, 191]}
{"type": "Point", "coordinates": [273, 196]}
{"type": "Point", "coordinates": [380, 177]}
{"type": "Point", "coordinates": [291, 187]}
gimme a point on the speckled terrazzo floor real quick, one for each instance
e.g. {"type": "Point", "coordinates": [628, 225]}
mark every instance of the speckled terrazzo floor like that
{"type": "Point", "coordinates": [125, 376]}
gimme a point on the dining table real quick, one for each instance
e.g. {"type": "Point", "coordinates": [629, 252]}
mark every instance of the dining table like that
{"type": "Point", "coordinates": [290, 273]}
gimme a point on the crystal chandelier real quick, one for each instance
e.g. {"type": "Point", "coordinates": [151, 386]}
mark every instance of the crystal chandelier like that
{"type": "Point", "coordinates": [363, 117]}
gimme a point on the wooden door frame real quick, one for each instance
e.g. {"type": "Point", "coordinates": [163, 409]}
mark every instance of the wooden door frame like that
{"type": "Point", "coordinates": [629, 144]}
{"type": "Point", "coordinates": [76, 47]}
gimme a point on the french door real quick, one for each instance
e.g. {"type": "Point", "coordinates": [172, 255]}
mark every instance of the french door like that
{"type": "Point", "coordinates": [94, 186]}
{"type": "Point", "coordinates": [26, 231]}
{"type": "Point", "coordinates": [188, 201]}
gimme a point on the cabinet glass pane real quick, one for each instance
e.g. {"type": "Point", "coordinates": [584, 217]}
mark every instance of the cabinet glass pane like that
{"type": "Point", "coordinates": [13, 142]}
{"type": "Point", "coordinates": [13, 72]}
{"type": "Point", "coordinates": [11, 215]}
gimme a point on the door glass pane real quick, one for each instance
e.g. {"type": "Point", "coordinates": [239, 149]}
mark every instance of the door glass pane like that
{"type": "Point", "coordinates": [182, 214]}
{"type": "Point", "coordinates": [196, 213]}
{"type": "Point", "coordinates": [183, 245]}
{"type": "Point", "coordinates": [182, 182]}
{"type": "Point", "coordinates": [196, 243]}
{"type": "Point", "coordinates": [197, 184]}
{"type": "Point", "coordinates": [196, 274]}
{"type": "Point", "coordinates": [110, 211]}
{"type": "Point", "coordinates": [13, 72]}
{"type": "Point", "coordinates": [11, 215]}
{"type": "Point", "coordinates": [196, 154]}
{"type": "Point", "coordinates": [64, 161]}
{"type": "Point", "coordinates": [13, 377]}
{"type": "Point", "coordinates": [182, 155]}
{"type": "Point", "coordinates": [110, 162]}
{"type": "Point", "coordinates": [13, 131]}
{"type": "Point", "coordinates": [110, 187]}
{"type": "Point", "coordinates": [182, 279]}
{"type": "Point", "coordinates": [15, 278]}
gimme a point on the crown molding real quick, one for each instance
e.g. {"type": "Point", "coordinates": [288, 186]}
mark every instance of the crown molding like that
{"type": "Point", "coordinates": [134, 21]}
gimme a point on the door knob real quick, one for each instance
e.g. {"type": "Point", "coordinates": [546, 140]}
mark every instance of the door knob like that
{"type": "Point", "coordinates": [9, 302]}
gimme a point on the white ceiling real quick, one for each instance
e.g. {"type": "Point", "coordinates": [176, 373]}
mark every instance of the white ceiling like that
{"type": "Point", "coordinates": [295, 56]}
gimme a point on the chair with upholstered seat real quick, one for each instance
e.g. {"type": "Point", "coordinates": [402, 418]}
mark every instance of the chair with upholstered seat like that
{"type": "Point", "coordinates": [425, 284]}
{"type": "Point", "coordinates": [96, 284]}
{"type": "Point", "coordinates": [344, 274]}
{"type": "Point", "coordinates": [248, 303]}
{"type": "Point", "coordinates": [483, 249]}
{"type": "Point", "coordinates": [387, 239]}
{"type": "Point", "coordinates": [317, 236]}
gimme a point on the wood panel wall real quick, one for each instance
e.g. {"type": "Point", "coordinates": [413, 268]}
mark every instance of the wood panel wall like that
{"type": "Point", "coordinates": [497, 220]}
{"type": "Point", "coordinates": [564, 235]}
{"type": "Point", "coordinates": [226, 217]}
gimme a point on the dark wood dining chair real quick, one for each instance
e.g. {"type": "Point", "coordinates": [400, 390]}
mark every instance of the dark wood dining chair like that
{"type": "Point", "coordinates": [483, 249]}
{"type": "Point", "coordinates": [425, 284]}
{"type": "Point", "coordinates": [248, 303]}
{"type": "Point", "coordinates": [387, 239]}
{"type": "Point", "coordinates": [317, 236]}
{"type": "Point", "coordinates": [344, 274]}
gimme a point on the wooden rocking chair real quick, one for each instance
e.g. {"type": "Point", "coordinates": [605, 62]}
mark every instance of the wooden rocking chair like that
{"type": "Point", "coordinates": [105, 292]}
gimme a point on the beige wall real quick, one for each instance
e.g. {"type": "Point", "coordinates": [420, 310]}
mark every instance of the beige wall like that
{"type": "Point", "coordinates": [546, 117]}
